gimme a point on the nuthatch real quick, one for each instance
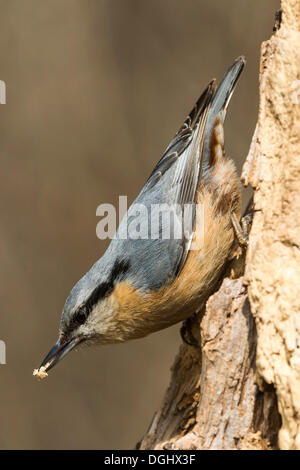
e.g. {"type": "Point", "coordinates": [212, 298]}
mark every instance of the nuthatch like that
{"type": "Point", "coordinates": [140, 286]}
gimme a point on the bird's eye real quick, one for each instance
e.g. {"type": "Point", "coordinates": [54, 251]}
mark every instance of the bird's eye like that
{"type": "Point", "coordinates": [80, 317]}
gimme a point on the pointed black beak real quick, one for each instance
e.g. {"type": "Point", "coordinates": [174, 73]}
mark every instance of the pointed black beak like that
{"type": "Point", "coordinates": [58, 351]}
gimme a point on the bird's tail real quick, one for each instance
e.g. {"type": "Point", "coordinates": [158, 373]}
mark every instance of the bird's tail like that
{"type": "Point", "coordinates": [218, 108]}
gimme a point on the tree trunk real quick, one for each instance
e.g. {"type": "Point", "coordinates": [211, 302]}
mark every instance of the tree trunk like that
{"type": "Point", "coordinates": [227, 394]}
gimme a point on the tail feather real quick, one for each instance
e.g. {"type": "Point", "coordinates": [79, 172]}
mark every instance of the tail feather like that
{"type": "Point", "coordinates": [218, 107]}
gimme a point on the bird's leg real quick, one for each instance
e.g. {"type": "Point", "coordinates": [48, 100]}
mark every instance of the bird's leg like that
{"type": "Point", "coordinates": [187, 334]}
{"type": "Point", "coordinates": [241, 235]}
{"type": "Point", "coordinates": [242, 228]}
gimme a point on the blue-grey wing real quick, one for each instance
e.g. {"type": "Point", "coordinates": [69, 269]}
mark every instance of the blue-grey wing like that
{"type": "Point", "coordinates": [156, 258]}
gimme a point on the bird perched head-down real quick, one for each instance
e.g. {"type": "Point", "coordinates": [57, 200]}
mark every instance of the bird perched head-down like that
{"type": "Point", "coordinates": [144, 284]}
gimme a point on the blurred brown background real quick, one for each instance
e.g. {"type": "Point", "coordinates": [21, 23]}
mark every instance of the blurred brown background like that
{"type": "Point", "coordinates": [95, 91]}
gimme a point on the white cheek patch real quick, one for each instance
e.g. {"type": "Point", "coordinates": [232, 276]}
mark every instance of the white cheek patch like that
{"type": "Point", "coordinates": [100, 318]}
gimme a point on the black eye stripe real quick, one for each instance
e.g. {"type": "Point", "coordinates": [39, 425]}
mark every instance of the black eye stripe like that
{"type": "Point", "coordinates": [78, 318]}
{"type": "Point", "coordinates": [81, 316]}
{"type": "Point", "coordinates": [120, 267]}
{"type": "Point", "coordinates": [99, 293]}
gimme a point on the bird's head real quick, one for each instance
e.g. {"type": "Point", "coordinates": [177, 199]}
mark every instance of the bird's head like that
{"type": "Point", "coordinates": [88, 312]}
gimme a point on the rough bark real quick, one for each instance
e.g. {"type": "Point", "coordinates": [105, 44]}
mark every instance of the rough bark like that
{"type": "Point", "coordinates": [213, 401]}
{"type": "Point", "coordinates": [226, 394]}
{"type": "Point", "coordinates": [273, 259]}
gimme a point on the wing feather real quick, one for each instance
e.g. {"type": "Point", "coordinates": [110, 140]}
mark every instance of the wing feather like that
{"type": "Point", "coordinates": [185, 172]}
{"type": "Point", "coordinates": [175, 179]}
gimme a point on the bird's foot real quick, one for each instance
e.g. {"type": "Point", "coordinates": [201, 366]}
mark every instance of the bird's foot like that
{"type": "Point", "coordinates": [186, 333]}
{"type": "Point", "coordinates": [242, 228]}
